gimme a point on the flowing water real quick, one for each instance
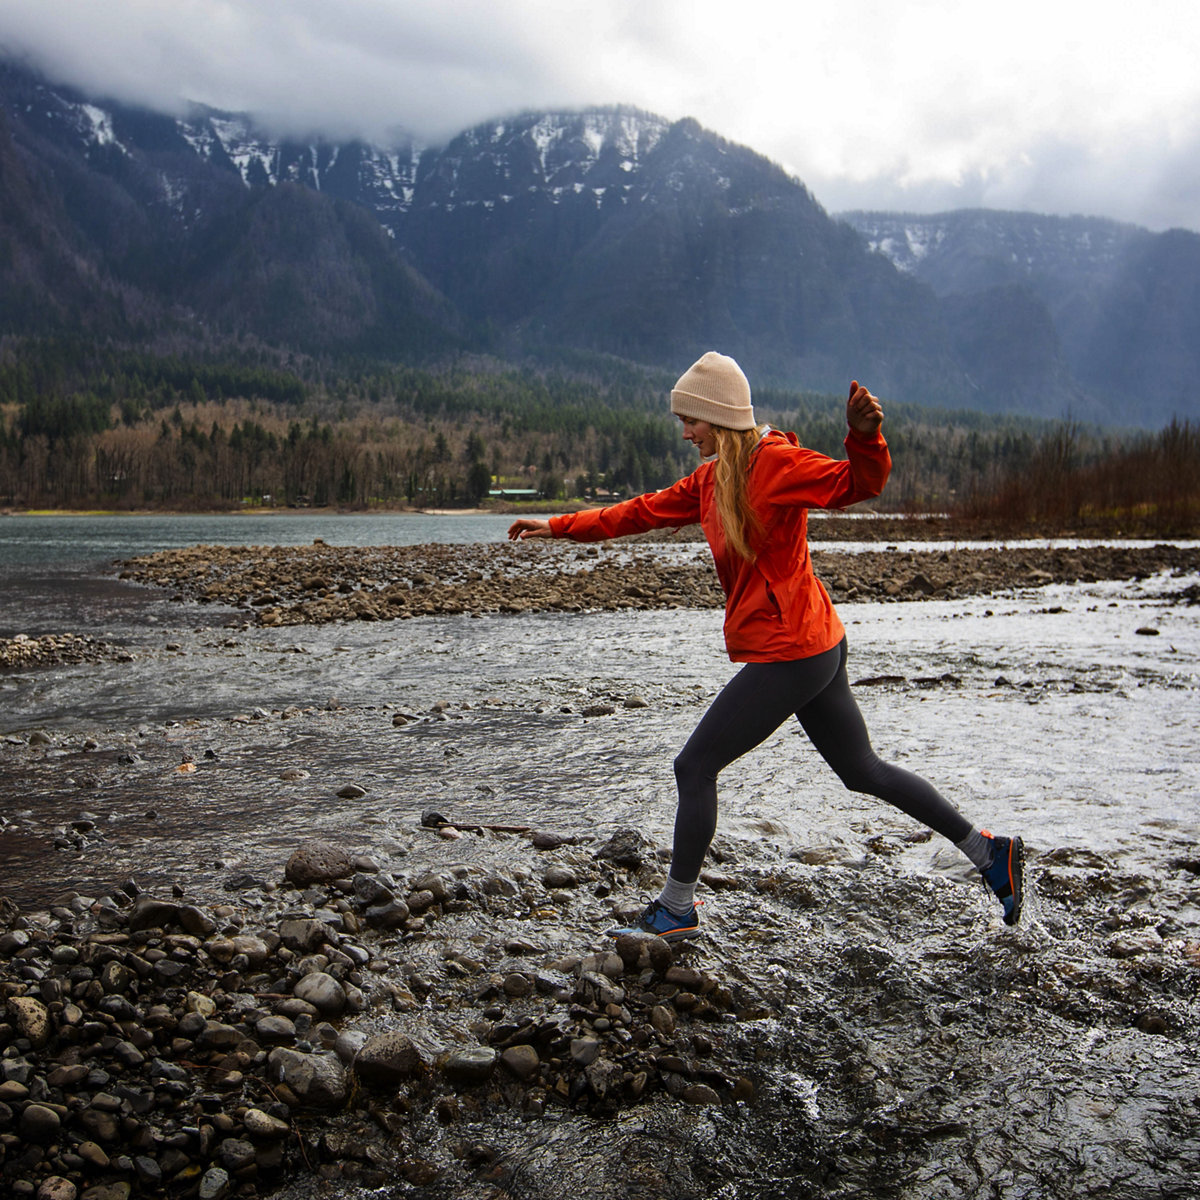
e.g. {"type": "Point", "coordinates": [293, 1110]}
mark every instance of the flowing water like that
{"type": "Point", "coordinates": [912, 1047]}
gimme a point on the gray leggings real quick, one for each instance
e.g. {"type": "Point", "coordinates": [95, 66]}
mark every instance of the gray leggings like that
{"type": "Point", "coordinates": [755, 702]}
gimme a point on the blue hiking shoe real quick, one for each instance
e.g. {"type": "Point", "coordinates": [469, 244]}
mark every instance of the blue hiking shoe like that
{"type": "Point", "coordinates": [1005, 878]}
{"type": "Point", "coordinates": [658, 921]}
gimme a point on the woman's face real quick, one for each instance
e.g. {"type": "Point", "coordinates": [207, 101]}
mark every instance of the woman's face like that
{"type": "Point", "coordinates": [700, 434]}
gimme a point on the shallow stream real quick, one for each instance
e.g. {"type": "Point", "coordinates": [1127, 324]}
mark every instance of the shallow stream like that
{"type": "Point", "coordinates": [908, 1045]}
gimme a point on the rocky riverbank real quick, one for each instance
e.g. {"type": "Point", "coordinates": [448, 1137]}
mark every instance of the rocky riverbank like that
{"type": "Point", "coordinates": [152, 1044]}
{"type": "Point", "coordinates": [441, 1019]}
{"type": "Point", "coordinates": [318, 584]}
{"type": "Point", "coordinates": [21, 653]}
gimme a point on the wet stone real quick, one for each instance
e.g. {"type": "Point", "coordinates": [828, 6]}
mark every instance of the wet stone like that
{"type": "Point", "coordinates": [387, 916]}
{"type": "Point", "coordinates": [522, 1061]}
{"type": "Point", "coordinates": [559, 876]}
{"type": "Point", "coordinates": [275, 1029]}
{"type": "Point", "coordinates": [371, 890]}
{"type": "Point", "coordinates": [57, 1188]}
{"type": "Point", "coordinates": [391, 1058]}
{"type": "Point", "coordinates": [323, 992]}
{"type": "Point", "coordinates": [99, 1125]}
{"type": "Point", "coordinates": [470, 1066]}
{"type": "Point", "coordinates": [262, 1125]}
{"type": "Point", "coordinates": [517, 985]}
{"type": "Point", "coordinates": [149, 913]}
{"type": "Point", "coordinates": [584, 1050]}
{"type": "Point", "coordinates": [626, 848]}
{"type": "Point", "coordinates": [318, 862]}
{"type": "Point", "coordinates": [303, 935]}
{"type": "Point", "coordinates": [316, 1079]}
{"type": "Point", "coordinates": [236, 1153]}
{"type": "Point", "coordinates": [40, 1124]}
{"type": "Point", "coordinates": [32, 1019]}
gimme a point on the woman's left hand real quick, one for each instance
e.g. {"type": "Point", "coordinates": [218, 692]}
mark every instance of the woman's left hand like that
{"type": "Point", "coordinates": [864, 413]}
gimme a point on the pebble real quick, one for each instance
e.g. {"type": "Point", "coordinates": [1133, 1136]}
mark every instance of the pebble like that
{"type": "Point", "coordinates": [57, 1188]}
{"type": "Point", "coordinates": [391, 1058]}
{"type": "Point", "coordinates": [262, 1125]}
{"type": "Point", "coordinates": [472, 1065]}
{"type": "Point", "coordinates": [318, 862]}
{"type": "Point", "coordinates": [559, 876]}
{"type": "Point", "coordinates": [39, 1123]}
{"type": "Point", "coordinates": [214, 1185]}
{"type": "Point", "coordinates": [522, 1061]}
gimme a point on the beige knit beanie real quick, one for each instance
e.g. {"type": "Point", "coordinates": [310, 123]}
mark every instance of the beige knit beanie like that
{"type": "Point", "coordinates": [714, 390]}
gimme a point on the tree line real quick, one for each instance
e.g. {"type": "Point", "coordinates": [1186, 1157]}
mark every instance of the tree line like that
{"type": "Point", "coordinates": [83, 426]}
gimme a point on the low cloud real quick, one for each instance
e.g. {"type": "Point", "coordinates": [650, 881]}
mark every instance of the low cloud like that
{"type": "Point", "coordinates": [925, 107]}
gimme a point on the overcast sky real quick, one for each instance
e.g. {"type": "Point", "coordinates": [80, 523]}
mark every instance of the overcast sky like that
{"type": "Point", "coordinates": [1058, 106]}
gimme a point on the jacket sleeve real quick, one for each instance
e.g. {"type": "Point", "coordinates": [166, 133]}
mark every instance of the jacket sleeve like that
{"type": "Point", "coordinates": [808, 479]}
{"type": "Point", "coordinates": [672, 507]}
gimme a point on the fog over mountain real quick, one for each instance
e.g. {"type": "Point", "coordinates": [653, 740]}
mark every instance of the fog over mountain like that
{"type": "Point", "coordinates": [610, 230]}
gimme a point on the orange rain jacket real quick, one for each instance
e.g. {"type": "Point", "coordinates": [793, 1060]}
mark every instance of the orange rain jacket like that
{"type": "Point", "coordinates": [775, 607]}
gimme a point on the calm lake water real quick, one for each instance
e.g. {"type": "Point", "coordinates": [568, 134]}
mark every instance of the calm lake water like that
{"type": "Point", "coordinates": [56, 571]}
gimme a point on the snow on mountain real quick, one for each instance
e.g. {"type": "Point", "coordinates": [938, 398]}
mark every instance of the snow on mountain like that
{"type": "Point", "coordinates": [552, 154]}
{"type": "Point", "coordinates": [937, 247]}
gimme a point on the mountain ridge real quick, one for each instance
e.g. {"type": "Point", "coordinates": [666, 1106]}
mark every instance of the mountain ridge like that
{"type": "Point", "coordinates": [610, 230]}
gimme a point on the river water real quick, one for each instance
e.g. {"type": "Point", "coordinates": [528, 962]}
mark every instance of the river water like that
{"type": "Point", "coordinates": [1055, 712]}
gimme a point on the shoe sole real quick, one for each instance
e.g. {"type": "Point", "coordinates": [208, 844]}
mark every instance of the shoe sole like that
{"type": "Point", "coordinates": [1016, 879]}
{"type": "Point", "coordinates": [671, 935]}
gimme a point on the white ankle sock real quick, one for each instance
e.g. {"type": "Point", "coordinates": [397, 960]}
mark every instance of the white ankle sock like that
{"type": "Point", "coordinates": [677, 897]}
{"type": "Point", "coordinates": [979, 849]}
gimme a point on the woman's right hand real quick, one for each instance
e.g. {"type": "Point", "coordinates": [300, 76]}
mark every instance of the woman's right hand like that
{"type": "Point", "coordinates": [528, 527]}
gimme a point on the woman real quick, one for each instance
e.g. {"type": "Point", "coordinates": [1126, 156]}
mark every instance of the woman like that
{"type": "Point", "coordinates": [751, 495]}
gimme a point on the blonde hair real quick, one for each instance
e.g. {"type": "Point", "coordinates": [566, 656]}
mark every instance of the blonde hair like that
{"type": "Point", "coordinates": [738, 519]}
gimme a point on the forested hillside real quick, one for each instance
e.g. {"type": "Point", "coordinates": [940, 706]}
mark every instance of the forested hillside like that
{"type": "Point", "coordinates": [82, 428]}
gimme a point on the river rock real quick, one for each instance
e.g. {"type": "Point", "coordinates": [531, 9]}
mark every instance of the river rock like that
{"type": "Point", "coordinates": [40, 1124]}
{"type": "Point", "coordinates": [626, 848]}
{"type": "Point", "coordinates": [275, 1028]}
{"type": "Point", "coordinates": [348, 1043]}
{"type": "Point", "coordinates": [149, 913]}
{"type": "Point", "coordinates": [370, 890]}
{"type": "Point", "coordinates": [584, 1050]}
{"type": "Point", "coordinates": [99, 1125]}
{"type": "Point", "coordinates": [522, 1061]}
{"type": "Point", "coordinates": [264, 1126]}
{"type": "Point", "coordinates": [303, 935]}
{"type": "Point", "coordinates": [318, 862]}
{"type": "Point", "coordinates": [387, 916]}
{"type": "Point", "coordinates": [214, 1185]}
{"type": "Point", "coordinates": [560, 876]}
{"type": "Point", "coordinates": [57, 1188]}
{"type": "Point", "coordinates": [196, 921]}
{"type": "Point", "coordinates": [316, 1079]}
{"type": "Point", "coordinates": [391, 1058]}
{"type": "Point", "coordinates": [236, 1153]}
{"type": "Point", "coordinates": [471, 1065]}
{"type": "Point", "coordinates": [32, 1019]}
{"type": "Point", "coordinates": [323, 992]}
